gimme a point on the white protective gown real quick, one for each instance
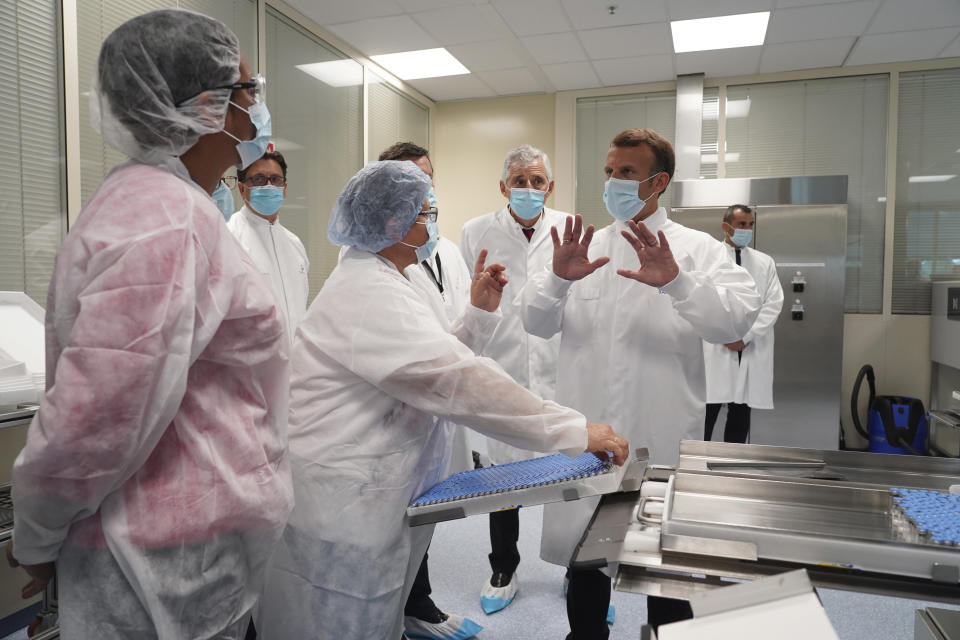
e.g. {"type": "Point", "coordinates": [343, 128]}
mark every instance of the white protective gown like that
{"type": "Point", "coordinates": [631, 355]}
{"type": "Point", "coordinates": [529, 359]}
{"type": "Point", "coordinates": [155, 471]}
{"type": "Point", "coordinates": [281, 258]}
{"type": "Point", "coordinates": [748, 380]}
{"type": "Point", "coordinates": [456, 280]}
{"type": "Point", "coordinates": [372, 366]}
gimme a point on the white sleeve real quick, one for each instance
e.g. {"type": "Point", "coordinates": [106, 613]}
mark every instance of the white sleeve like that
{"type": "Point", "coordinates": [542, 301]}
{"type": "Point", "coordinates": [772, 305]}
{"type": "Point", "coordinates": [427, 368]}
{"type": "Point", "coordinates": [475, 327]}
{"type": "Point", "coordinates": [714, 295]}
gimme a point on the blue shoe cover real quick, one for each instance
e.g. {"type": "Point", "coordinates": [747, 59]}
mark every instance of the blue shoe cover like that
{"type": "Point", "coordinates": [453, 628]}
{"type": "Point", "coordinates": [493, 599]}
{"type": "Point", "coordinates": [611, 614]}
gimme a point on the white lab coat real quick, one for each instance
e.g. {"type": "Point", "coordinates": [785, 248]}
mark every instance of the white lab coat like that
{"type": "Point", "coordinates": [155, 471]}
{"type": "Point", "coordinates": [281, 258]}
{"type": "Point", "coordinates": [748, 380]}
{"type": "Point", "coordinates": [630, 354]}
{"type": "Point", "coordinates": [372, 366]}
{"type": "Point", "coordinates": [529, 359]}
{"type": "Point", "coordinates": [455, 299]}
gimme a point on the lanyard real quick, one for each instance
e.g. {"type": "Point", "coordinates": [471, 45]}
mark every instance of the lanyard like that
{"type": "Point", "coordinates": [438, 276]}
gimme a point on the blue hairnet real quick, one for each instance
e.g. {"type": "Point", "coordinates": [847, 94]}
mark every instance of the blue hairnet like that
{"type": "Point", "coordinates": [156, 90]}
{"type": "Point", "coordinates": [379, 205]}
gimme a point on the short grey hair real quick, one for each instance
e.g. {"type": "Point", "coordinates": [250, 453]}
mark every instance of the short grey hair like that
{"type": "Point", "coordinates": [524, 156]}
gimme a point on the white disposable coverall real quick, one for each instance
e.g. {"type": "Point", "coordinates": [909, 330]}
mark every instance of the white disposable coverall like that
{"type": "Point", "coordinates": [280, 257]}
{"type": "Point", "coordinates": [529, 359]}
{"type": "Point", "coordinates": [454, 300]}
{"type": "Point", "coordinates": [155, 471]}
{"type": "Point", "coordinates": [630, 354]}
{"type": "Point", "coordinates": [372, 366]}
{"type": "Point", "coordinates": [748, 380]}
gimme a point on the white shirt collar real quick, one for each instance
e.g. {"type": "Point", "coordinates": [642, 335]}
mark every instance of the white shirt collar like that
{"type": "Point", "coordinates": [254, 218]}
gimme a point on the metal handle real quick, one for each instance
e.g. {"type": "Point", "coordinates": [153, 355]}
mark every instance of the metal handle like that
{"type": "Point", "coordinates": [645, 519]}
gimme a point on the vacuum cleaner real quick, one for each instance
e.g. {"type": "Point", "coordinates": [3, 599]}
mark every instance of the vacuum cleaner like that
{"type": "Point", "coordinates": [895, 424]}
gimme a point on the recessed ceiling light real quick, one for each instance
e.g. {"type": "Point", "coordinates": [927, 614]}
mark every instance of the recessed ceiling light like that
{"type": "Point", "coordinates": [722, 32]}
{"type": "Point", "coordinates": [336, 73]}
{"type": "Point", "coordinates": [932, 178]}
{"type": "Point", "coordinates": [426, 63]}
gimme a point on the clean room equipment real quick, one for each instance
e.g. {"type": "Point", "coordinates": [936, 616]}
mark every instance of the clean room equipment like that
{"type": "Point", "coordinates": [895, 424]}
{"type": "Point", "coordinates": [934, 623]}
{"type": "Point", "coordinates": [945, 369]}
{"type": "Point", "coordinates": [525, 483]}
{"type": "Point", "coordinates": [740, 512]}
{"type": "Point", "coordinates": [802, 224]}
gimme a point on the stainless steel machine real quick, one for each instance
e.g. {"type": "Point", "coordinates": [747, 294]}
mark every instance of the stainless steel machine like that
{"type": "Point", "coordinates": [945, 369]}
{"type": "Point", "coordinates": [733, 512]}
{"type": "Point", "coordinates": [802, 224]}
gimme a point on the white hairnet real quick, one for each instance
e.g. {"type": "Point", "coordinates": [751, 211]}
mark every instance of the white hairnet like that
{"type": "Point", "coordinates": [156, 89]}
{"type": "Point", "coordinates": [379, 205]}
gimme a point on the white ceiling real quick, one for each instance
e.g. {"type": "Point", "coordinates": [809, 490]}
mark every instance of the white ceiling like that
{"type": "Point", "coordinates": [534, 46]}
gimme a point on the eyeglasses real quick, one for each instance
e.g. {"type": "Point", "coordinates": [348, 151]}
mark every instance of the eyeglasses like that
{"type": "Point", "coordinates": [430, 214]}
{"type": "Point", "coordinates": [256, 86]}
{"type": "Point", "coordinates": [262, 181]}
{"type": "Point", "coordinates": [230, 181]}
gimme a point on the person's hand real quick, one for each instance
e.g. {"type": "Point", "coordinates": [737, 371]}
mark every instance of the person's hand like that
{"type": "Point", "coordinates": [570, 260]}
{"type": "Point", "coordinates": [739, 345]}
{"type": "Point", "coordinates": [40, 574]}
{"type": "Point", "coordinates": [657, 266]}
{"type": "Point", "coordinates": [486, 289]}
{"type": "Point", "coordinates": [601, 439]}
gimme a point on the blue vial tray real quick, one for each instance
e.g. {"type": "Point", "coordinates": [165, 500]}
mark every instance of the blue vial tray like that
{"type": "Point", "coordinates": [934, 514]}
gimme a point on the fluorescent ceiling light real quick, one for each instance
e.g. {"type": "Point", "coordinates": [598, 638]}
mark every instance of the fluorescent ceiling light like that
{"type": "Point", "coordinates": [932, 178]}
{"type": "Point", "coordinates": [881, 198]}
{"type": "Point", "coordinates": [723, 32]}
{"type": "Point", "coordinates": [426, 63]}
{"type": "Point", "coordinates": [336, 73]}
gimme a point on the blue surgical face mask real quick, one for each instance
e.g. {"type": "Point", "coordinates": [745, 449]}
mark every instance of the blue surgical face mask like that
{"type": "Point", "coordinates": [425, 250]}
{"type": "Point", "coordinates": [266, 200]}
{"type": "Point", "coordinates": [527, 203]}
{"type": "Point", "coordinates": [621, 199]}
{"type": "Point", "coordinates": [432, 197]}
{"type": "Point", "coordinates": [224, 199]}
{"type": "Point", "coordinates": [742, 237]}
{"type": "Point", "coordinates": [252, 150]}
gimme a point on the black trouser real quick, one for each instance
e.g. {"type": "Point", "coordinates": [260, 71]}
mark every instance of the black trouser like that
{"type": "Point", "coordinates": [504, 533]}
{"type": "Point", "coordinates": [588, 598]}
{"type": "Point", "coordinates": [419, 604]}
{"type": "Point", "coordinates": [737, 427]}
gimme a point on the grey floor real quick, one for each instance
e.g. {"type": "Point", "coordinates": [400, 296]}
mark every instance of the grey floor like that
{"type": "Point", "coordinates": [458, 567]}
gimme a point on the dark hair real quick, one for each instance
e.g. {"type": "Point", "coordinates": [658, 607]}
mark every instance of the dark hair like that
{"type": "Point", "coordinates": [665, 161]}
{"type": "Point", "coordinates": [403, 151]}
{"type": "Point", "coordinates": [728, 216]}
{"type": "Point", "coordinates": [276, 156]}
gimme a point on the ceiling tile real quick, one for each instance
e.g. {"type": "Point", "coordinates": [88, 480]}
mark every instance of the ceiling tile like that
{"type": "Point", "coordinates": [531, 17]}
{"type": "Point", "coordinates": [622, 42]}
{"type": "Point", "coordinates": [412, 6]}
{"type": "Point", "coordinates": [555, 48]}
{"type": "Point", "coordinates": [385, 35]}
{"type": "Point", "coordinates": [725, 62]}
{"type": "Point", "coordinates": [784, 4]}
{"type": "Point", "coordinates": [805, 55]}
{"type": "Point", "coordinates": [820, 22]}
{"type": "Point", "coordinates": [595, 14]}
{"type": "Point", "coordinates": [571, 75]}
{"type": "Point", "coordinates": [908, 15]}
{"type": "Point", "coordinates": [452, 87]}
{"type": "Point", "coordinates": [635, 70]}
{"type": "Point", "coordinates": [458, 25]}
{"type": "Point", "coordinates": [486, 56]}
{"type": "Point", "coordinates": [902, 46]}
{"type": "Point", "coordinates": [511, 81]}
{"type": "Point", "coordinates": [690, 9]}
{"type": "Point", "coordinates": [335, 12]}
{"type": "Point", "coordinates": [952, 50]}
